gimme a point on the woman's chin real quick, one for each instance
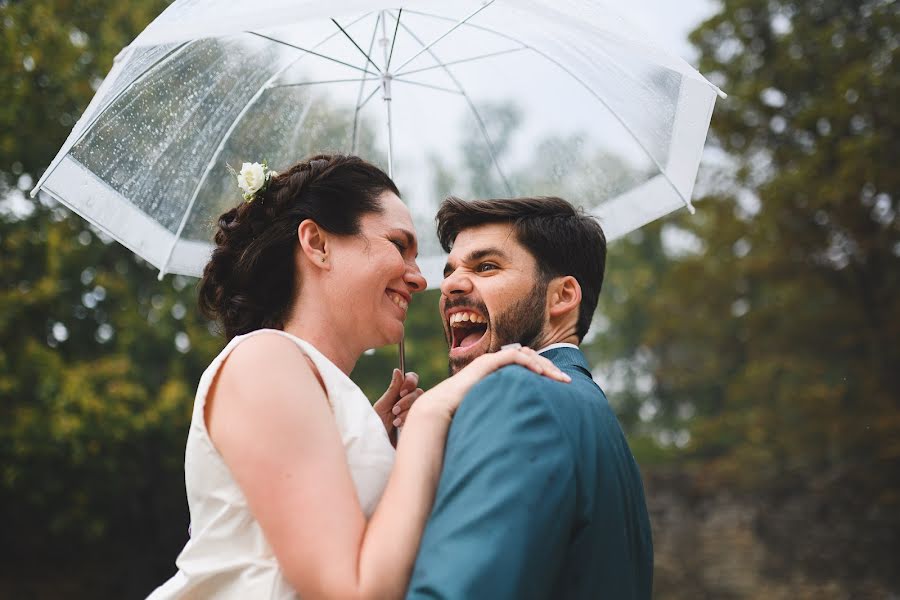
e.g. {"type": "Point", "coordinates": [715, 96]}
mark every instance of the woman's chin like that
{"type": "Point", "coordinates": [396, 336]}
{"type": "Point", "coordinates": [389, 335]}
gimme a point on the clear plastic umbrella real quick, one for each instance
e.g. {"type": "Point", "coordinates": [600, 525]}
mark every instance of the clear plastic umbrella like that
{"type": "Point", "coordinates": [493, 98]}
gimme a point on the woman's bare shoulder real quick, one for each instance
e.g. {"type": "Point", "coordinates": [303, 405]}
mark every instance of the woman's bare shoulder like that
{"type": "Point", "coordinates": [266, 360]}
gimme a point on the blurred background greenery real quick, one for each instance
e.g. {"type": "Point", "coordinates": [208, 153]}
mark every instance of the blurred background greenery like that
{"type": "Point", "coordinates": [752, 351]}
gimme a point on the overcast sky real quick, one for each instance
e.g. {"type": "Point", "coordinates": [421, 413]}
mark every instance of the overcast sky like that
{"type": "Point", "coordinates": [669, 22]}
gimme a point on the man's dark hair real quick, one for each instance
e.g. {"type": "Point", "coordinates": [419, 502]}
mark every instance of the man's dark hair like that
{"type": "Point", "coordinates": [562, 239]}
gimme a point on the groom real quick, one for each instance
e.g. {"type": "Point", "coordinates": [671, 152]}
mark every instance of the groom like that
{"type": "Point", "coordinates": [540, 496]}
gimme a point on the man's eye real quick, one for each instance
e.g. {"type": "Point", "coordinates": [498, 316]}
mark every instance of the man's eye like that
{"type": "Point", "coordinates": [485, 267]}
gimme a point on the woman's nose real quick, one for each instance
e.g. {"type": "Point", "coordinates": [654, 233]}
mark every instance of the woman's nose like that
{"type": "Point", "coordinates": [414, 279]}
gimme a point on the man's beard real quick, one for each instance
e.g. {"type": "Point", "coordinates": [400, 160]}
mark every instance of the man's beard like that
{"type": "Point", "coordinates": [523, 322]}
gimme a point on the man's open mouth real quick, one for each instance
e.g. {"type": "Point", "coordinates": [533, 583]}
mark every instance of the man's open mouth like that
{"type": "Point", "coordinates": [467, 328]}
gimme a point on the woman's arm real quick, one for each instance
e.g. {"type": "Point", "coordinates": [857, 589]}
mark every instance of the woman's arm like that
{"type": "Point", "coordinates": [270, 420]}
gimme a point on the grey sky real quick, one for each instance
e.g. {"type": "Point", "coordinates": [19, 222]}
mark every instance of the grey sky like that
{"type": "Point", "coordinates": [669, 22]}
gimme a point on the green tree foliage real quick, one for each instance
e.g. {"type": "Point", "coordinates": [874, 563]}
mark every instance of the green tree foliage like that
{"type": "Point", "coordinates": [97, 371]}
{"type": "Point", "coordinates": [98, 360]}
{"type": "Point", "coordinates": [815, 272]}
{"type": "Point", "coordinates": [778, 327]}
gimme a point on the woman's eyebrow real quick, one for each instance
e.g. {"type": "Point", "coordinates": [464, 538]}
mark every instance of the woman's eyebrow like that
{"type": "Point", "coordinates": [409, 235]}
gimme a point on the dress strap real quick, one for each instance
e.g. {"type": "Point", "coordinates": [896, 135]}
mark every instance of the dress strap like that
{"type": "Point", "coordinates": [209, 376]}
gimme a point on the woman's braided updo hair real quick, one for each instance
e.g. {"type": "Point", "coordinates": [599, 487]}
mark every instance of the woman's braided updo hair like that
{"type": "Point", "coordinates": [250, 281]}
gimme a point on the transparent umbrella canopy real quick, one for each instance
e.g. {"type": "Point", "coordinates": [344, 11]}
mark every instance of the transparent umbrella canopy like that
{"type": "Point", "coordinates": [477, 99]}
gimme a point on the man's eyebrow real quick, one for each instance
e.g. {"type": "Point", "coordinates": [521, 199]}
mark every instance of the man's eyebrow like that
{"type": "Point", "coordinates": [476, 255]}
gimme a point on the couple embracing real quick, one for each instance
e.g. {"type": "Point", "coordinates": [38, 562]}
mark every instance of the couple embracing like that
{"type": "Point", "coordinates": [511, 479]}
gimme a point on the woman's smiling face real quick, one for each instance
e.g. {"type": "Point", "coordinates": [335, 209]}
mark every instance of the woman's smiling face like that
{"type": "Point", "coordinates": [375, 273]}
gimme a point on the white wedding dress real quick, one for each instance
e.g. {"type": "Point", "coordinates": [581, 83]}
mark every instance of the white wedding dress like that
{"type": "Point", "coordinates": [227, 555]}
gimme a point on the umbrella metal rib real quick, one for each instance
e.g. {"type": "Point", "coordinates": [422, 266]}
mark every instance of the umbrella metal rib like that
{"type": "Point", "coordinates": [462, 60]}
{"type": "Point", "coordinates": [307, 50]}
{"type": "Point", "coordinates": [386, 95]}
{"type": "Point", "coordinates": [320, 82]}
{"type": "Point", "coordinates": [427, 47]}
{"type": "Point", "coordinates": [468, 25]}
{"type": "Point", "coordinates": [352, 41]}
{"type": "Point", "coordinates": [369, 97]}
{"type": "Point", "coordinates": [431, 86]}
{"type": "Point", "coordinates": [362, 85]}
{"type": "Point", "coordinates": [387, 65]}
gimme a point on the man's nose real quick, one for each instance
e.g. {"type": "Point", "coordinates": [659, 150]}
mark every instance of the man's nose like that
{"type": "Point", "coordinates": [456, 283]}
{"type": "Point", "coordinates": [414, 279]}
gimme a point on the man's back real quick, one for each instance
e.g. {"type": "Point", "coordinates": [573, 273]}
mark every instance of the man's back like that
{"type": "Point", "coordinates": [540, 496]}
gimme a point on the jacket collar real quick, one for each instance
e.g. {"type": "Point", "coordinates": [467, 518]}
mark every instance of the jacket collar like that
{"type": "Point", "coordinates": [565, 356]}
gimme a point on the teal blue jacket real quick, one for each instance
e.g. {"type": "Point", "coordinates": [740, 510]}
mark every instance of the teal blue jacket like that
{"type": "Point", "coordinates": [540, 496]}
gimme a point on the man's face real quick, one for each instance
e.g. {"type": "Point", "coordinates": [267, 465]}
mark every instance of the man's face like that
{"type": "Point", "coordinates": [491, 295]}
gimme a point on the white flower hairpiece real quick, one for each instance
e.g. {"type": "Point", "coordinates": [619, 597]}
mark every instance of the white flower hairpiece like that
{"type": "Point", "coordinates": [253, 179]}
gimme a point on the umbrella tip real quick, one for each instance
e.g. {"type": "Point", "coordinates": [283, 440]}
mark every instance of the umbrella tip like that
{"type": "Point", "coordinates": [162, 274]}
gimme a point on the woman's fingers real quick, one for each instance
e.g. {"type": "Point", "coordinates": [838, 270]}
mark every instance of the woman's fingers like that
{"type": "Point", "coordinates": [401, 409]}
{"type": "Point", "coordinates": [394, 386]}
{"type": "Point", "coordinates": [398, 387]}
{"type": "Point", "coordinates": [410, 383]}
{"type": "Point", "coordinates": [407, 401]}
{"type": "Point", "coordinates": [390, 397]}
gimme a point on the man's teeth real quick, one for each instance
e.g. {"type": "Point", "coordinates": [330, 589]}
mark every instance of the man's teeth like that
{"type": "Point", "coordinates": [466, 316]}
{"type": "Point", "coordinates": [399, 300]}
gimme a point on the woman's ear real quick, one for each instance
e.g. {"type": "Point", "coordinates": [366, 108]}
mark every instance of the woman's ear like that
{"type": "Point", "coordinates": [564, 296]}
{"type": "Point", "coordinates": [314, 243]}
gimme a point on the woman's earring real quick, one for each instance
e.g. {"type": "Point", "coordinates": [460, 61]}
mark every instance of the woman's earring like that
{"type": "Point", "coordinates": [323, 259]}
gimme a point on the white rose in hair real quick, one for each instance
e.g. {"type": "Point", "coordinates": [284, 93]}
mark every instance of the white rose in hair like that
{"type": "Point", "coordinates": [251, 178]}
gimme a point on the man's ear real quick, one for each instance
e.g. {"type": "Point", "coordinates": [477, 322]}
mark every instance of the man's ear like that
{"type": "Point", "coordinates": [564, 296]}
{"type": "Point", "coordinates": [314, 243]}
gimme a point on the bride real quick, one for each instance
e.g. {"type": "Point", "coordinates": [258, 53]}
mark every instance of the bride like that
{"type": "Point", "coordinates": [292, 483]}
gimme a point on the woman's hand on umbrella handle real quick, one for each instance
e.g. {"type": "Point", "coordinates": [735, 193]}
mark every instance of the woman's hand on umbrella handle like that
{"type": "Point", "coordinates": [394, 404]}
